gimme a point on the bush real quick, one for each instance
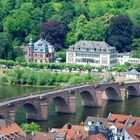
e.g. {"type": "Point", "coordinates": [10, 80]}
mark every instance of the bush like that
{"type": "Point", "coordinates": [29, 128]}
{"type": "Point", "coordinates": [44, 78]}
{"type": "Point", "coordinates": [74, 80]}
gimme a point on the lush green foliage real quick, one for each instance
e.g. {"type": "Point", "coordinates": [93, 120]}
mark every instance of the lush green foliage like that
{"type": "Point", "coordinates": [76, 19]}
{"type": "Point", "coordinates": [60, 66]}
{"type": "Point", "coordinates": [29, 128]}
{"type": "Point", "coordinates": [45, 78]}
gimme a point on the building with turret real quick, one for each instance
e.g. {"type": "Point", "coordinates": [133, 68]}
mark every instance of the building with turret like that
{"type": "Point", "coordinates": [41, 51]}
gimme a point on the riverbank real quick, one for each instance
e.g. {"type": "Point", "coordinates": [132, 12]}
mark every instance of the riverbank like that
{"type": "Point", "coordinates": [30, 77]}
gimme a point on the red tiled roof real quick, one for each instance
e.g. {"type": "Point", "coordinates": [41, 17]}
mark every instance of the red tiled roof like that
{"type": "Point", "coordinates": [97, 137]}
{"type": "Point", "coordinates": [134, 132]}
{"type": "Point", "coordinates": [76, 131]}
{"type": "Point", "coordinates": [117, 120]}
{"type": "Point", "coordinates": [11, 129]}
{"type": "Point", "coordinates": [134, 120]}
{"type": "Point", "coordinates": [38, 136]}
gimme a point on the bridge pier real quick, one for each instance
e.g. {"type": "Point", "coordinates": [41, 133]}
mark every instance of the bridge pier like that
{"type": "Point", "coordinates": [11, 115]}
{"type": "Point", "coordinates": [98, 98]}
{"type": "Point", "coordinates": [43, 109]}
{"type": "Point", "coordinates": [72, 104]}
{"type": "Point", "coordinates": [41, 115]}
{"type": "Point", "coordinates": [67, 106]}
{"type": "Point", "coordinates": [123, 93]}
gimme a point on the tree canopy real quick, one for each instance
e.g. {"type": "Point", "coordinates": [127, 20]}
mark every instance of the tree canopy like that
{"type": "Point", "coordinates": [66, 21]}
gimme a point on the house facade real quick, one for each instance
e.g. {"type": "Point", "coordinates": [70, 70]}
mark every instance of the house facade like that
{"type": "Point", "coordinates": [40, 51]}
{"type": "Point", "coordinates": [127, 57]}
{"type": "Point", "coordinates": [95, 53]}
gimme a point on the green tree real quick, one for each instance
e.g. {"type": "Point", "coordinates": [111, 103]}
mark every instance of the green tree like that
{"type": "Point", "coordinates": [29, 128]}
{"type": "Point", "coordinates": [81, 22]}
{"type": "Point", "coordinates": [18, 24]}
{"type": "Point", "coordinates": [119, 33]}
{"type": "Point", "coordinates": [54, 32]}
{"type": "Point", "coordinates": [62, 54]}
{"type": "Point", "coordinates": [5, 45]}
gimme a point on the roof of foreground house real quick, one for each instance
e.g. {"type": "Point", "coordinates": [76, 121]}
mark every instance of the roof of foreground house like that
{"type": "Point", "coordinates": [11, 130]}
{"type": "Point", "coordinates": [118, 120]}
{"type": "Point", "coordinates": [94, 120]}
{"type": "Point", "coordinates": [97, 137]}
{"type": "Point", "coordinates": [134, 131]}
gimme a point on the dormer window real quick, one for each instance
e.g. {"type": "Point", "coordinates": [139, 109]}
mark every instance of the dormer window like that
{"type": "Point", "coordinates": [40, 44]}
{"type": "Point", "coordinates": [112, 120]}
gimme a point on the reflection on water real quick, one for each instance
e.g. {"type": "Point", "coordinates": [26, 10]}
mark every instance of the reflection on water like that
{"type": "Point", "coordinates": [8, 91]}
{"type": "Point", "coordinates": [129, 106]}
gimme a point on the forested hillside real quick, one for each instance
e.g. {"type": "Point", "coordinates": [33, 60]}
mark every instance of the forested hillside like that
{"type": "Point", "coordinates": [63, 22]}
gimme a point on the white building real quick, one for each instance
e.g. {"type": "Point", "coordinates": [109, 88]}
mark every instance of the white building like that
{"type": "Point", "coordinates": [96, 53]}
{"type": "Point", "coordinates": [123, 57]}
{"type": "Point", "coordinates": [127, 57]}
{"type": "Point", "coordinates": [133, 75]}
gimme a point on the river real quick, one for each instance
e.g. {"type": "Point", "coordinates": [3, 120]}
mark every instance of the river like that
{"type": "Point", "coordinates": [129, 106]}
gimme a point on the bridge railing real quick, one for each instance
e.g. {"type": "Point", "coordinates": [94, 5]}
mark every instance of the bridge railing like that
{"type": "Point", "coordinates": [44, 91]}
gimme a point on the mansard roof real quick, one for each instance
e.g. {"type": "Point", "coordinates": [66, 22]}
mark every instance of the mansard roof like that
{"type": "Point", "coordinates": [92, 45]}
{"type": "Point", "coordinates": [44, 45]}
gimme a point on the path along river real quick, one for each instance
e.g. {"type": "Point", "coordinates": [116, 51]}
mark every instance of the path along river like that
{"type": "Point", "coordinates": [130, 106]}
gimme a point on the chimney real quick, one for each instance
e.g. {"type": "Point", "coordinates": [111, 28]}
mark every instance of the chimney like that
{"type": "Point", "coordinates": [69, 125]}
{"type": "Point", "coordinates": [78, 132]}
{"type": "Point", "coordinates": [33, 134]}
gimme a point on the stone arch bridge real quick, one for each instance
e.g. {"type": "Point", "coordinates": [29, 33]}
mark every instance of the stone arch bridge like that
{"type": "Point", "coordinates": [36, 105]}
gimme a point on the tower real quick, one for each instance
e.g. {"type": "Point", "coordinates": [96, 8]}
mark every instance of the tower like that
{"type": "Point", "coordinates": [30, 51]}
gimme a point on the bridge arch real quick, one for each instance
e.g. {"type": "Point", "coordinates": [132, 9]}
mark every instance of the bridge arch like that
{"type": "Point", "coordinates": [31, 111]}
{"type": "Point", "coordinates": [1, 117]}
{"type": "Point", "coordinates": [111, 93]}
{"type": "Point", "coordinates": [132, 91]}
{"type": "Point", "coordinates": [87, 98]}
{"type": "Point", "coordinates": [61, 105]}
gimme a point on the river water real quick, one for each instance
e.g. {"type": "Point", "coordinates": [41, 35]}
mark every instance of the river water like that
{"type": "Point", "coordinates": [129, 106]}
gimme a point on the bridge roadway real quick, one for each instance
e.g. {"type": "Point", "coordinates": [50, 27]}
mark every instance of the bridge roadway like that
{"type": "Point", "coordinates": [42, 94]}
{"type": "Point", "coordinates": [36, 104]}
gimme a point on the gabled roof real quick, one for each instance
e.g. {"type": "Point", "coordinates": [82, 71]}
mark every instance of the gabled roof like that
{"type": "Point", "coordinates": [118, 120]}
{"type": "Point", "coordinates": [133, 72]}
{"type": "Point", "coordinates": [97, 137]}
{"type": "Point", "coordinates": [76, 131]}
{"type": "Point", "coordinates": [13, 129]}
{"type": "Point", "coordinates": [93, 44]}
{"type": "Point", "coordinates": [134, 131]}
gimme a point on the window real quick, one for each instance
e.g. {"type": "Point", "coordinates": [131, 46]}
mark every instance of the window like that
{"type": "Point", "coordinates": [41, 50]}
{"type": "Point", "coordinates": [35, 60]}
{"type": "Point", "coordinates": [40, 44]}
{"type": "Point", "coordinates": [35, 55]}
{"type": "Point", "coordinates": [41, 55]}
{"type": "Point", "coordinates": [40, 61]}
{"type": "Point", "coordinates": [46, 55]}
